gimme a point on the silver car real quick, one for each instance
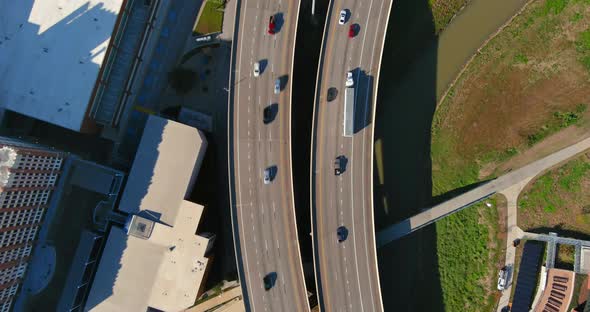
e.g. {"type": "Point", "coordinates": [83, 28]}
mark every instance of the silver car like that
{"type": "Point", "coordinates": [256, 69]}
{"type": "Point", "coordinates": [277, 86]}
{"type": "Point", "coordinates": [267, 176]}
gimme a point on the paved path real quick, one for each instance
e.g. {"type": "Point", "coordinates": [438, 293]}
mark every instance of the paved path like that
{"type": "Point", "coordinates": [504, 182]}
{"type": "Point", "coordinates": [513, 232]}
{"type": "Point", "coordinates": [217, 300]}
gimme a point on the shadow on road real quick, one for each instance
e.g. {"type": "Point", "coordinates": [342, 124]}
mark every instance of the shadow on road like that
{"type": "Point", "coordinates": [363, 87]}
{"type": "Point", "coordinates": [403, 175]}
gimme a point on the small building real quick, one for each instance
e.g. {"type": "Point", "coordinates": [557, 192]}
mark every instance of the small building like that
{"type": "Point", "coordinates": [157, 261]}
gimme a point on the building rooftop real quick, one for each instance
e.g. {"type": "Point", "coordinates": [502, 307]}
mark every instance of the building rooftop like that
{"type": "Point", "coordinates": [157, 261]}
{"type": "Point", "coordinates": [166, 164]}
{"type": "Point", "coordinates": [50, 56]}
{"type": "Point", "coordinates": [163, 271]}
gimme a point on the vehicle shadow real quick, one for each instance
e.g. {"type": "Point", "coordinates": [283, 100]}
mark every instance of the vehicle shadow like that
{"type": "Point", "coordinates": [279, 22]}
{"type": "Point", "coordinates": [263, 64]}
{"type": "Point", "coordinates": [408, 267]}
{"type": "Point", "coordinates": [283, 81]}
{"type": "Point", "coordinates": [363, 87]}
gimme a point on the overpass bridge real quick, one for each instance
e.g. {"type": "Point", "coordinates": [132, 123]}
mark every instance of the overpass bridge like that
{"type": "Point", "coordinates": [477, 194]}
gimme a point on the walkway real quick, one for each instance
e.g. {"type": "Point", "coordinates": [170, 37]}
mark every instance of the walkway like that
{"type": "Point", "coordinates": [502, 183]}
{"type": "Point", "coordinates": [218, 301]}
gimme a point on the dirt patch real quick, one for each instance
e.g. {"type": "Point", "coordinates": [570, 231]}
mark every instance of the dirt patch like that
{"type": "Point", "coordinates": [503, 110]}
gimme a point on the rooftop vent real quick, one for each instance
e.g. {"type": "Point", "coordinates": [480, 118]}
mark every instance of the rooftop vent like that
{"type": "Point", "coordinates": [139, 227]}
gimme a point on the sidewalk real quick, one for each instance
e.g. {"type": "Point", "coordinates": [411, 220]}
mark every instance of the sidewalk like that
{"type": "Point", "coordinates": [513, 232]}
{"type": "Point", "coordinates": [227, 30]}
{"type": "Point", "coordinates": [223, 298]}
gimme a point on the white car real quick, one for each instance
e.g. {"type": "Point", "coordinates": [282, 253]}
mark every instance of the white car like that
{"type": "Point", "coordinates": [502, 277]}
{"type": "Point", "coordinates": [277, 86]}
{"type": "Point", "coordinates": [342, 18]}
{"type": "Point", "coordinates": [349, 80]}
{"type": "Point", "coordinates": [267, 176]}
{"type": "Point", "coordinates": [256, 69]}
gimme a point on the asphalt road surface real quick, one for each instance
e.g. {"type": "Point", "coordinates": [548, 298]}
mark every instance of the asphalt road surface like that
{"type": "Point", "coordinates": [263, 215]}
{"type": "Point", "coordinates": [348, 278]}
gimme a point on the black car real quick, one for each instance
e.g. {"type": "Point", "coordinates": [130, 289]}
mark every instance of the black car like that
{"type": "Point", "coordinates": [342, 233]}
{"type": "Point", "coordinates": [340, 165]}
{"type": "Point", "coordinates": [269, 280]}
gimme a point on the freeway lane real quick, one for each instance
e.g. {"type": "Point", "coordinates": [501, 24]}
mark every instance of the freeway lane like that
{"type": "Point", "coordinates": [263, 215]}
{"type": "Point", "coordinates": [348, 278]}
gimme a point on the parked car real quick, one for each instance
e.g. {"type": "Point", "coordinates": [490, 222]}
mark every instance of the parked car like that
{"type": "Point", "coordinates": [342, 18]}
{"type": "Point", "coordinates": [271, 25]}
{"type": "Point", "coordinates": [256, 69]}
{"type": "Point", "coordinates": [502, 278]}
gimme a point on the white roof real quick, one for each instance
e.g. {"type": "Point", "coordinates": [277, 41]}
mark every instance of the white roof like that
{"type": "Point", "coordinates": [50, 54]}
{"type": "Point", "coordinates": [164, 271]}
{"type": "Point", "coordinates": [166, 163]}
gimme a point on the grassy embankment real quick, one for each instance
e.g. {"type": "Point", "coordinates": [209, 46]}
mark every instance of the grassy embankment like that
{"type": "Point", "coordinates": [211, 19]}
{"type": "Point", "coordinates": [559, 200]}
{"type": "Point", "coordinates": [443, 11]}
{"type": "Point", "coordinates": [528, 83]}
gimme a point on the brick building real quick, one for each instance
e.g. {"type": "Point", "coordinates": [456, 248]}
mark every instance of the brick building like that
{"type": "Point", "coordinates": [28, 175]}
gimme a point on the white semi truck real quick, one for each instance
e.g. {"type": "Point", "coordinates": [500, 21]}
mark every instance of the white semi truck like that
{"type": "Point", "coordinates": [349, 106]}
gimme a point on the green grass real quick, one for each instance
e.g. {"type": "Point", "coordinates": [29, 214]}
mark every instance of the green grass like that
{"type": "Point", "coordinates": [544, 190]}
{"type": "Point", "coordinates": [577, 170]}
{"type": "Point", "coordinates": [579, 280]}
{"type": "Point", "coordinates": [443, 11]}
{"type": "Point", "coordinates": [465, 259]}
{"type": "Point", "coordinates": [583, 48]}
{"type": "Point", "coordinates": [541, 194]}
{"type": "Point", "coordinates": [211, 19]}
{"type": "Point", "coordinates": [559, 121]}
{"type": "Point", "coordinates": [555, 6]}
{"type": "Point", "coordinates": [463, 253]}
{"type": "Point", "coordinates": [521, 59]}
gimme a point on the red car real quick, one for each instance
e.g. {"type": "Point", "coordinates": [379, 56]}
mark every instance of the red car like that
{"type": "Point", "coordinates": [351, 31]}
{"type": "Point", "coordinates": [271, 25]}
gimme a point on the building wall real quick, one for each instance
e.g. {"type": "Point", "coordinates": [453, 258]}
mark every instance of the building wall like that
{"type": "Point", "coordinates": [28, 176]}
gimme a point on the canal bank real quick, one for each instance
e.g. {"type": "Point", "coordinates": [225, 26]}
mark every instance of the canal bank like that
{"type": "Point", "coordinates": [418, 67]}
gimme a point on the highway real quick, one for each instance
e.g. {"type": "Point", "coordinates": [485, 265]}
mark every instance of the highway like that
{"type": "Point", "coordinates": [263, 215]}
{"type": "Point", "coordinates": [466, 199]}
{"type": "Point", "coordinates": [347, 276]}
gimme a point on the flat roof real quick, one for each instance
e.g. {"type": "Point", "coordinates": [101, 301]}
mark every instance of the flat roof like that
{"type": "Point", "coordinates": [161, 263]}
{"type": "Point", "coordinates": [164, 271]}
{"type": "Point", "coordinates": [166, 163]}
{"type": "Point", "coordinates": [50, 56]}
